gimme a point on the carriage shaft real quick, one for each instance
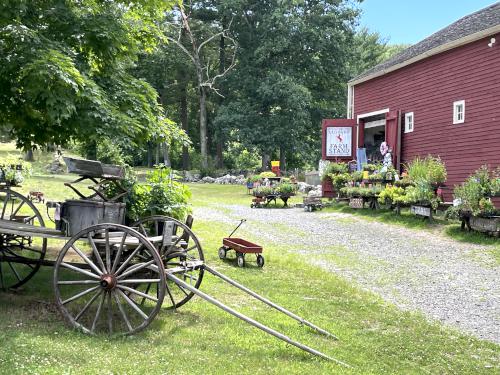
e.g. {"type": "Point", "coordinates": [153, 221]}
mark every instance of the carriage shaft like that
{"type": "Point", "coordinates": [269, 303]}
{"type": "Point", "coordinates": [250, 321]}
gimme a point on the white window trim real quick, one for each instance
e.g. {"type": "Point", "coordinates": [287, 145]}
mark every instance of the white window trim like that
{"type": "Point", "coordinates": [407, 116]}
{"type": "Point", "coordinates": [455, 112]}
{"type": "Point", "coordinates": [369, 114]}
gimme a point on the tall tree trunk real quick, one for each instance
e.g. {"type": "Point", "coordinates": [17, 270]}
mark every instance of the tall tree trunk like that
{"type": "Point", "coordinates": [220, 154]}
{"type": "Point", "coordinates": [157, 153]}
{"type": "Point", "coordinates": [266, 158]}
{"type": "Point", "coordinates": [29, 155]}
{"type": "Point", "coordinates": [92, 150]}
{"type": "Point", "coordinates": [184, 123]}
{"type": "Point", "coordinates": [282, 160]}
{"type": "Point", "coordinates": [222, 67]}
{"type": "Point", "coordinates": [150, 154]}
{"type": "Point", "coordinates": [166, 158]}
{"type": "Point", "coordinates": [203, 128]}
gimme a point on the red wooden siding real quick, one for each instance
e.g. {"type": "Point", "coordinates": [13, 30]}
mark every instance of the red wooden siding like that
{"type": "Point", "coordinates": [428, 89]}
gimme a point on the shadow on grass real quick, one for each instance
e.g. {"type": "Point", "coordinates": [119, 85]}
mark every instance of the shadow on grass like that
{"type": "Point", "coordinates": [478, 238]}
{"type": "Point", "coordinates": [405, 219]}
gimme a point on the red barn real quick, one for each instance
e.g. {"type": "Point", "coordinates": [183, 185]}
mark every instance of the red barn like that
{"type": "Point", "coordinates": [440, 96]}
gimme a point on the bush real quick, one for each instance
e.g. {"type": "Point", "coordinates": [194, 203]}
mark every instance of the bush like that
{"type": "Point", "coordinates": [158, 195]}
{"type": "Point", "coordinates": [392, 195]}
{"type": "Point", "coordinates": [285, 188]}
{"type": "Point", "coordinates": [430, 169]}
{"type": "Point", "coordinates": [334, 168]}
{"type": "Point", "coordinates": [254, 178]}
{"type": "Point", "coordinates": [357, 176]}
{"type": "Point", "coordinates": [371, 167]}
{"type": "Point", "coordinates": [354, 192]}
{"type": "Point", "coordinates": [475, 193]}
{"type": "Point", "coordinates": [267, 175]}
{"type": "Point", "coordinates": [14, 170]}
{"type": "Point", "coordinates": [263, 190]}
{"type": "Point", "coordinates": [339, 180]}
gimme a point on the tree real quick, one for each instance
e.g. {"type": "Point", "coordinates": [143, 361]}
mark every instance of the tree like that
{"type": "Point", "coordinates": [292, 71]}
{"type": "Point", "coordinates": [65, 71]}
{"type": "Point", "coordinates": [370, 49]}
{"type": "Point", "coordinates": [207, 73]}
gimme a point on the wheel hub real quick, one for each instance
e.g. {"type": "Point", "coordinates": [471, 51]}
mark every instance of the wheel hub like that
{"type": "Point", "coordinates": [108, 281]}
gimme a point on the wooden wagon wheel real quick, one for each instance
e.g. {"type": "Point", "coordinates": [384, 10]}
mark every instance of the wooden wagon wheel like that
{"type": "Point", "coordinates": [121, 291]}
{"type": "Point", "coordinates": [20, 256]}
{"type": "Point", "coordinates": [181, 254]}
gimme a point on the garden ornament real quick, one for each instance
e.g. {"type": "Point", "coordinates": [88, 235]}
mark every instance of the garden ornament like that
{"type": "Point", "coordinates": [384, 148]}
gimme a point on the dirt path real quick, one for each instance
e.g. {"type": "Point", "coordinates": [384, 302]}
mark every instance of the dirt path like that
{"type": "Point", "coordinates": [455, 283]}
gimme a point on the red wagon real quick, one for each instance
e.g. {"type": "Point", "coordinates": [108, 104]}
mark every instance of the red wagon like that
{"type": "Point", "coordinates": [241, 247]}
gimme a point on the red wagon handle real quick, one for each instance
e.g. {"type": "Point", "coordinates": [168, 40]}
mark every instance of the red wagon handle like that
{"type": "Point", "coordinates": [239, 225]}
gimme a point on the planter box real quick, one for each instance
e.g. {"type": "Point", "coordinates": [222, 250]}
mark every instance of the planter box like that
{"type": "Point", "coordinates": [490, 225]}
{"type": "Point", "coordinates": [356, 203]}
{"type": "Point", "coordinates": [422, 211]}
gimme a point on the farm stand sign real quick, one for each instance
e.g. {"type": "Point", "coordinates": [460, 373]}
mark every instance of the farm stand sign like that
{"type": "Point", "coordinates": [338, 141]}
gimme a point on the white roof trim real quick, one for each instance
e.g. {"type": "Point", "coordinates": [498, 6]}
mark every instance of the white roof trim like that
{"type": "Point", "coordinates": [370, 114]}
{"type": "Point", "coordinates": [442, 48]}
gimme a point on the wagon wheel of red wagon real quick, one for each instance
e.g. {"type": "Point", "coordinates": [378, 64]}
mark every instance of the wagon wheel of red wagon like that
{"type": "Point", "coordinates": [121, 291]}
{"type": "Point", "coordinates": [20, 255]}
{"type": "Point", "coordinates": [183, 255]}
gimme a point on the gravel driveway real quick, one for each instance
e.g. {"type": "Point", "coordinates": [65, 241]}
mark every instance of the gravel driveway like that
{"type": "Point", "coordinates": [452, 282]}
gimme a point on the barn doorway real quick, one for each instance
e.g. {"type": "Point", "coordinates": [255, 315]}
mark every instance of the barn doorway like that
{"type": "Point", "coordinates": [374, 135]}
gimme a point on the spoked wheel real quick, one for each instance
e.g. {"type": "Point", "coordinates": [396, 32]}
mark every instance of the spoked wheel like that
{"type": "Point", "coordinates": [182, 255]}
{"type": "Point", "coordinates": [20, 256]}
{"type": "Point", "coordinates": [121, 291]}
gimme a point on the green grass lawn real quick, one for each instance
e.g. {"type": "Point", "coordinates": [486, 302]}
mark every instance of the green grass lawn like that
{"type": "Point", "coordinates": [375, 337]}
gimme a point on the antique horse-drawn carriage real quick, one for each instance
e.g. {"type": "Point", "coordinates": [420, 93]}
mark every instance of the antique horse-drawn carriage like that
{"type": "Point", "coordinates": [109, 277]}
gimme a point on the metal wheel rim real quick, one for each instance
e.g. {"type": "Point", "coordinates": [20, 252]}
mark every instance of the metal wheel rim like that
{"type": "Point", "coordinates": [104, 297]}
{"type": "Point", "coordinates": [175, 302]}
{"type": "Point", "coordinates": [36, 262]}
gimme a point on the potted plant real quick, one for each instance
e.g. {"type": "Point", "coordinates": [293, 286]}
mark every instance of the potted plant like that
{"type": "Point", "coordinates": [14, 171]}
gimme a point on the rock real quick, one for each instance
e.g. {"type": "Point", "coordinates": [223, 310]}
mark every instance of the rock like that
{"type": "Point", "coordinates": [57, 166]}
{"type": "Point", "coordinates": [208, 180]}
{"type": "Point", "coordinates": [191, 176]}
{"type": "Point", "coordinates": [304, 188]}
{"type": "Point", "coordinates": [315, 192]}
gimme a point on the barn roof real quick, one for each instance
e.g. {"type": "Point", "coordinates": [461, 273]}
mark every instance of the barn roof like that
{"type": "Point", "coordinates": [467, 29]}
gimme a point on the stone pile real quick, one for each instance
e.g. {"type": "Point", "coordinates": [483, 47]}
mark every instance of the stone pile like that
{"type": "Point", "coordinates": [315, 191]}
{"type": "Point", "coordinates": [57, 166]}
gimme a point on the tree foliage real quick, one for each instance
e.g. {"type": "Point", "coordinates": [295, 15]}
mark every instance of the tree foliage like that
{"type": "Point", "coordinates": [65, 70]}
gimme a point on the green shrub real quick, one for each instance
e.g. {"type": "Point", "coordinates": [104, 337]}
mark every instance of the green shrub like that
{"type": "Point", "coordinates": [372, 167]}
{"type": "Point", "coordinates": [285, 188]}
{"type": "Point", "coordinates": [430, 169]}
{"type": "Point", "coordinates": [267, 175]}
{"type": "Point", "coordinates": [263, 190]}
{"type": "Point", "coordinates": [474, 194]}
{"type": "Point", "coordinates": [357, 176]}
{"type": "Point", "coordinates": [254, 178]}
{"type": "Point", "coordinates": [158, 195]}
{"type": "Point", "coordinates": [339, 180]}
{"type": "Point", "coordinates": [391, 195]}
{"type": "Point", "coordinates": [334, 168]}
{"type": "Point", "coordinates": [365, 192]}
{"type": "Point", "coordinates": [14, 170]}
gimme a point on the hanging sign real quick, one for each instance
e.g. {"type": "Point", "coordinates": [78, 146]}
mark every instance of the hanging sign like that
{"type": "Point", "coordinates": [338, 141]}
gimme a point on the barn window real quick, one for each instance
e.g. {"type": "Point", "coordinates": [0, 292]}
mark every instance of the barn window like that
{"type": "Point", "coordinates": [408, 122]}
{"type": "Point", "coordinates": [459, 112]}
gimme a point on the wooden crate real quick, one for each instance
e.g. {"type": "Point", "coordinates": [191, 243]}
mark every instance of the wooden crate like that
{"type": "Point", "coordinates": [490, 225]}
